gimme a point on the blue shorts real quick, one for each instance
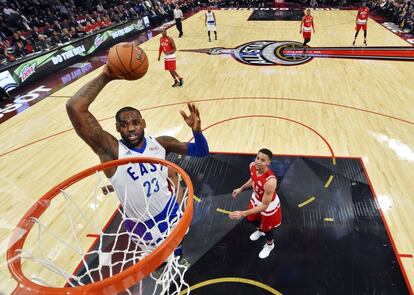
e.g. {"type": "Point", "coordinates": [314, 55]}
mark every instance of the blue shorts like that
{"type": "Point", "coordinates": [165, 217]}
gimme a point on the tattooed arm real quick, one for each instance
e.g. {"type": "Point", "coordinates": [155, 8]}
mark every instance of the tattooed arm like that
{"type": "Point", "coordinates": [86, 125]}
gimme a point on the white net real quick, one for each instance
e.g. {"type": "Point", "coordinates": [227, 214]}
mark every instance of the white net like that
{"type": "Point", "coordinates": [76, 242]}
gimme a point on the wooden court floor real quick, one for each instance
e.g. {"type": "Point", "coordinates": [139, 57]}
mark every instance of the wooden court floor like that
{"type": "Point", "coordinates": [359, 108]}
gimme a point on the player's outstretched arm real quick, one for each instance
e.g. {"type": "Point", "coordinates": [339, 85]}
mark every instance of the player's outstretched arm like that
{"type": "Point", "coordinates": [200, 146]}
{"type": "Point", "coordinates": [242, 188]}
{"type": "Point", "coordinates": [269, 189]}
{"type": "Point", "coordinates": [86, 125]}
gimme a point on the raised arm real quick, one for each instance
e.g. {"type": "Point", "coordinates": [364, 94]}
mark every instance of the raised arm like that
{"type": "Point", "coordinates": [86, 125]}
{"type": "Point", "coordinates": [197, 149]}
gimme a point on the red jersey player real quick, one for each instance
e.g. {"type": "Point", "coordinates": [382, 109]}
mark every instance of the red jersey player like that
{"type": "Point", "coordinates": [306, 27]}
{"type": "Point", "coordinates": [167, 46]}
{"type": "Point", "coordinates": [264, 210]}
{"type": "Point", "coordinates": [361, 22]}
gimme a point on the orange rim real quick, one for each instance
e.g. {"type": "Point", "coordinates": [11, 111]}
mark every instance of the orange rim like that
{"type": "Point", "coordinates": [118, 282]}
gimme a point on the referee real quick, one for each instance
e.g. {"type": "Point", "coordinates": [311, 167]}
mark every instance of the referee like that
{"type": "Point", "coordinates": [178, 16]}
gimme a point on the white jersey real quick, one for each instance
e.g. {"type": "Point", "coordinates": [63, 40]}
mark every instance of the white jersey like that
{"type": "Point", "coordinates": [142, 185]}
{"type": "Point", "coordinates": [211, 23]}
{"type": "Point", "coordinates": [210, 18]}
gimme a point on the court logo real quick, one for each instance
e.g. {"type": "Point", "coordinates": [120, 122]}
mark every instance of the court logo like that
{"type": "Point", "coordinates": [291, 53]}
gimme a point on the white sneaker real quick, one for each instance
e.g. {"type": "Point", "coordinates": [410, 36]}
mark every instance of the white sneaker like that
{"type": "Point", "coordinates": [256, 235]}
{"type": "Point", "coordinates": [266, 250]}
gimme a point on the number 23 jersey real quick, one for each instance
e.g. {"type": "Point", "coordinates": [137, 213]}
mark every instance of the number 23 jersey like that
{"type": "Point", "coordinates": [142, 185]}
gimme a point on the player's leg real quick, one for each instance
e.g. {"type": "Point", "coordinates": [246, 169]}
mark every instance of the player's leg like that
{"type": "Point", "coordinates": [269, 220]}
{"type": "Point", "coordinates": [254, 219]}
{"type": "Point", "coordinates": [306, 38]}
{"type": "Point", "coordinates": [365, 36]}
{"type": "Point", "coordinates": [357, 28]}
{"type": "Point", "coordinates": [169, 65]}
{"type": "Point", "coordinates": [209, 39]}
{"type": "Point", "coordinates": [268, 246]}
{"type": "Point", "coordinates": [177, 78]}
{"type": "Point", "coordinates": [174, 75]}
{"type": "Point", "coordinates": [215, 34]}
{"type": "Point", "coordinates": [164, 221]}
{"type": "Point", "coordinates": [180, 28]}
{"type": "Point", "coordinates": [256, 223]}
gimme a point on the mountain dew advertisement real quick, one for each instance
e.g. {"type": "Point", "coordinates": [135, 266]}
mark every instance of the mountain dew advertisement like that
{"type": "Point", "coordinates": [59, 58]}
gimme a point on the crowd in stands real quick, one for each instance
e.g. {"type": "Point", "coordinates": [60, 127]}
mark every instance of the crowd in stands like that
{"type": "Point", "coordinates": [31, 26]}
{"type": "Point", "coordinates": [400, 12]}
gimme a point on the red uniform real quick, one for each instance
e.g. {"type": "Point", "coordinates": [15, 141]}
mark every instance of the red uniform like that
{"type": "Point", "coordinates": [169, 59]}
{"type": "Point", "coordinates": [362, 19]}
{"type": "Point", "coordinates": [272, 216]}
{"type": "Point", "coordinates": [307, 26]}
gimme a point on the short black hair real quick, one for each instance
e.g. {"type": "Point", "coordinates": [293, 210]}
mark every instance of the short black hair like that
{"type": "Point", "coordinates": [125, 109]}
{"type": "Point", "coordinates": [267, 152]}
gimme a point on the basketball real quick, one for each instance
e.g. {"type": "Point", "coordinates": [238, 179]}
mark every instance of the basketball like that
{"type": "Point", "coordinates": [127, 61]}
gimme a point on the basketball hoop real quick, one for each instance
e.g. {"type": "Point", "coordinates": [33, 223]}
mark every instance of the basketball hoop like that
{"type": "Point", "coordinates": [138, 267]}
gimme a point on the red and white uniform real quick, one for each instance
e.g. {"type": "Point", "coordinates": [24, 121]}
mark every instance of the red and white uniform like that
{"type": "Point", "coordinates": [307, 26]}
{"type": "Point", "coordinates": [272, 216]}
{"type": "Point", "coordinates": [169, 59]}
{"type": "Point", "coordinates": [362, 19]}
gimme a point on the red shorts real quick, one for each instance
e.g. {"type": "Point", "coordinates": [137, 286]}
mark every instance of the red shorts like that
{"type": "Point", "coordinates": [306, 35]}
{"type": "Point", "coordinates": [169, 64]}
{"type": "Point", "coordinates": [358, 27]}
{"type": "Point", "coordinates": [267, 223]}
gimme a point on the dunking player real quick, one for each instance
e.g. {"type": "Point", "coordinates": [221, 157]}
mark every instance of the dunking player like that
{"type": "Point", "coordinates": [264, 210]}
{"type": "Point", "coordinates": [361, 22]}
{"type": "Point", "coordinates": [306, 26]}
{"type": "Point", "coordinates": [167, 46]}
{"type": "Point", "coordinates": [135, 184]}
{"type": "Point", "coordinates": [210, 22]}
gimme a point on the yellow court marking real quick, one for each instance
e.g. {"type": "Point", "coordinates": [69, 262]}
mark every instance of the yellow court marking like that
{"type": "Point", "coordinates": [334, 161]}
{"type": "Point", "coordinates": [311, 199]}
{"type": "Point", "coordinates": [179, 156]}
{"type": "Point", "coordinates": [197, 199]}
{"type": "Point", "coordinates": [328, 219]}
{"type": "Point", "coordinates": [231, 280]}
{"type": "Point", "coordinates": [329, 181]}
{"type": "Point", "coordinates": [223, 211]}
